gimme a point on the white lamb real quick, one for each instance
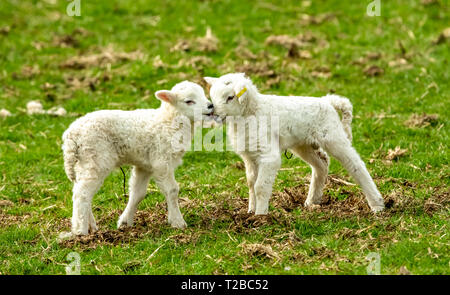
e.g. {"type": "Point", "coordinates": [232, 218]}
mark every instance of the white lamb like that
{"type": "Point", "coordinates": [306, 125]}
{"type": "Point", "coordinates": [99, 142]}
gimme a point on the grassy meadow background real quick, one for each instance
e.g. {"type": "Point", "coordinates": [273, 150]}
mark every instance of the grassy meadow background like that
{"type": "Point", "coordinates": [394, 68]}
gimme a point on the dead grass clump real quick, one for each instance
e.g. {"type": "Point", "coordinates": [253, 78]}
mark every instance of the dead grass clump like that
{"type": "Point", "coordinates": [421, 120]}
{"type": "Point", "coordinates": [208, 43]}
{"type": "Point", "coordinates": [295, 197]}
{"type": "Point", "coordinates": [196, 62]}
{"type": "Point", "coordinates": [27, 72]}
{"type": "Point", "coordinates": [65, 41]}
{"type": "Point", "coordinates": [306, 19]}
{"type": "Point", "coordinates": [243, 220]}
{"type": "Point", "coordinates": [60, 225]}
{"type": "Point", "coordinates": [399, 200]}
{"type": "Point", "coordinates": [6, 203]}
{"type": "Point", "coordinates": [429, 2]}
{"type": "Point", "coordinates": [399, 63]}
{"type": "Point", "coordinates": [443, 36]}
{"type": "Point", "coordinates": [403, 271]}
{"type": "Point", "coordinates": [145, 222]}
{"type": "Point", "coordinates": [437, 202]}
{"type": "Point", "coordinates": [322, 252]}
{"type": "Point", "coordinates": [315, 254]}
{"type": "Point", "coordinates": [70, 40]}
{"type": "Point", "coordinates": [86, 82]}
{"type": "Point", "coordinates": [394, 154]}
{"type": "Point", "coordinates": [104, 237]}
{"type": "Point", "coordinates": [259, 250]}
{"type": "Point", "coordinates": [293, 44]}
{"type": "Point", "coordinates": [9, 219]}
{"type": "Point", "coordinates": [5, 30]}
{"type": "Point", "coordinates": [260, 69]}
{"type": "Point", "coordinates": [353, 205]}
{"type": "Point", "coordinates": [77, 83]}
{"type": "Point", "coordinates": [152, 219]}
{"type": "Point", "coordinates": [321, 72]}
{"type": "Point", "coordinates": [243, 52]}
{"type": "Point", "coordinates": [287, 41]}
{"type": "Point", "coordinates": [226, 208]}
{"type": "Point", "coordinates": [107, 56]}
{"type": "Point", "coordinates": [402, 199]}
{"type": "Point", "coordinates": [185, 238]}
{"type": "Point", "coordinates": [290, 198]}
{"type": "Point", "coordinates": [346, 233]}
{"type": "Point", "coordinates": [181, 45]}
{"type": "Point", "coordinates": [373, 71]}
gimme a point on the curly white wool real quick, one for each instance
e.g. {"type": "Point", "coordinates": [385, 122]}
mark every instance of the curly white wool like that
{"type": "Point", "coordinates": [99, 142]}
{"type": "Point", "coordinates": [307, 126]}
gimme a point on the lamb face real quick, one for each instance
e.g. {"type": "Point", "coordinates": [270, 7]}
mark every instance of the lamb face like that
{"type": "Point", "coordinates": [188, 99]}
{"type": "Point", "coordinates": [229, 94]}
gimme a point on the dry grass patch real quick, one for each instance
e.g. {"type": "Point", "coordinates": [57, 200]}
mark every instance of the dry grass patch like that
{"type": "Point", "coordinates": [422, 120]}
{"type": "Point", "coordinates": [107, 56]}
{"type": "Point", "coordinates": [260, 250]}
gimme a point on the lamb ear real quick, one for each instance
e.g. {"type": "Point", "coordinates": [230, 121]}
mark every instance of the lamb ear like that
{"type": "Point", "coordinates": [210, 80]}
{"type": "Point", "coordinates": [165, 95]}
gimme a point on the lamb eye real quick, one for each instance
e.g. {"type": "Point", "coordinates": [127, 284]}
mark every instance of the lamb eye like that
{"type": "Point", "coordinates": [230, 98]}
{"type": "Point", "coordinates": [190, 102]}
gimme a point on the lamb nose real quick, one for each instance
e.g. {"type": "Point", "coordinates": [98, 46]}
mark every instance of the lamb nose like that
{"type": "Point", "coordinates": [210, 106]}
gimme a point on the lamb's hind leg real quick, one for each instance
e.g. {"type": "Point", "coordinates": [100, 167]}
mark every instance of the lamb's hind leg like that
{"type": "Point", "coordinates": [343, 151]}
{"type": "Point", "coordinates": [82, 218]}
{"type": "Point", "coordinates": [318, 160]}
{"type": "Point", "coordinates": [138, 188]}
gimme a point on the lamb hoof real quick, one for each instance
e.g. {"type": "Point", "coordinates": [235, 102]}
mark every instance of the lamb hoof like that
{"type": "Point", "coordinates": [124, 221]}
{"type": "Point", "coordinates": [378, 208]}
{"type": "Point", "coordinates": [178, 223]}
{"type": "Point", "coordinates": [79, 230]}
{"type": "Point", "coordinates": [312, 203]}
{"type": "Point", "coordinates": [251, 208]}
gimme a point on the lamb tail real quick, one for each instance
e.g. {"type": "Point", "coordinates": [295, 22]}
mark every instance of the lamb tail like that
{"type": "Point", "coordinates": [70, 150]}
{"type": "Point", "coordinates": [343, 105]}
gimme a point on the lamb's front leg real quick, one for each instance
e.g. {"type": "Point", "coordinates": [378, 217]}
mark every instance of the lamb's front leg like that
{"type": "Point", "coordinates": [169, 187]}
{"type": "Point", "coordinates": [138, 188]}
{"type": "Point", "coordinates": [268, 167]}
{"type": "Point", "coordinates": [251, 171]}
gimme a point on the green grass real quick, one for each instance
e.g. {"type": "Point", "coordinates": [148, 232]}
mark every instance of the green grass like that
{"type": "Point", "coordinates": [414, 233]}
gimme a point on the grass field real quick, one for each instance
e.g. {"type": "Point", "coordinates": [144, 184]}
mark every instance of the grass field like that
{"type": "Point", "coordinates": [393, 67]}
